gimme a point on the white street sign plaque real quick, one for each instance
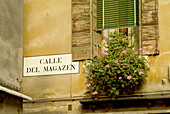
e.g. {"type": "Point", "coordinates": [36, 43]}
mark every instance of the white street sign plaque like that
{"type": "Point", "coordinates": [50, 65]}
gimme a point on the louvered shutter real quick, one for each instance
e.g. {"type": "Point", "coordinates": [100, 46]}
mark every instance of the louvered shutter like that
{"type": "Point", "coordinates": [117, 13]}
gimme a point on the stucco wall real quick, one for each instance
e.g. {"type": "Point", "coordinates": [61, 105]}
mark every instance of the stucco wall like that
{"type": "Point", "coordinates": [48, 30]}
{"type": "Point", "coordinates": [11, 13]}
{"type": "Point", "coordinates": [47, 27]}
{"type": "Point", "coordinates": [159, 64]}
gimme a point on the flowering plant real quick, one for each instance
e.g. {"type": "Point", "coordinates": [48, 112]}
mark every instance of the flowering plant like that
{"type": "Point", "coordinates": [119, 70]}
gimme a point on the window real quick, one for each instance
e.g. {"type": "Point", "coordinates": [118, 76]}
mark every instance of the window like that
{"type": "Point", "coordinates": [106, 15]}
{"type": "Point", "coordinates": [114, 14]}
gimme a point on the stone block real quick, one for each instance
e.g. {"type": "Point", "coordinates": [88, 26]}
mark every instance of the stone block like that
{"type": "Point", "coordinates": [148, 5]}
{"type": "Point", "coordinates": [150, 32]}
{"type": "Point", "coordinates": [149, 18]}
{"type": "Point", "coordinates": [149, 47]}
{"type": "Point", "coordinates": [81, 25]}
{"type": "Point", "coordinates": [83, 34]}
{"type": "Point", "coordinates": [81, 11]}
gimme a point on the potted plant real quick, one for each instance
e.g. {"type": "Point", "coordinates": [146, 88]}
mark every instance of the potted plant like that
{"type": "Point", "coordinates": [118, 70]}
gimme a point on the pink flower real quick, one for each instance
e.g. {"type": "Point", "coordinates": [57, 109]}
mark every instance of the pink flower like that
{"type": "Point", "coordinates": [129, 77]}
{"type": "Point", "coordinates": [140, 73]}
{"type": "Point", "coordinates": [147, 57]}
{"type": "Point", "coordinates": [94, 93]}
{"type": "Point", "coordinates": [120, 78]}
{"type": "Point", "coordinates": [88, 85]}
{"type": "Point", "coordinates": [115, 47]}
{"type": "Point", "coordinates": [149, 61]}
{"type": "Point", "coordinates": [107, 66]}
{"type": "Point", "coordinates": [105, 53]}
{"type": "Point", "coordinates": [124, 52]}
{"type": "Point", "coordinates": [116, 61]}
{"type": "Point", "coordinates": [106, 35]}
{"type": "Point", "coordinates": [141, 49]}
{"type": "Point", "coordinates": [99, 56]}
{"type": "Point", "coordinates": [124, 39]}
{"type": "Point", "coordinates": [134, 71]}
{"type": "Point", "coordinates": [135, 52]}
{"type": "Point", "coordinates": [121, 55]}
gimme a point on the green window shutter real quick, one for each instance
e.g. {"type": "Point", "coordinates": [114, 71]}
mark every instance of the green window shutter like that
{"type": "Point", "coordinates": [122, 13]}
{"type": "Point", "coordinates": [99, 13]}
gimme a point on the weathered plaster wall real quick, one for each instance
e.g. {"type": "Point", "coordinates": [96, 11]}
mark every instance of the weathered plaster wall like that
{"type": "Point", "coordinates": [11, 13]}
{"type": "Point", "coordinates": [48, 30]}
{"type": "Point", "coordinates": [47, 27]}
{"type": "Point", "coordinates": [159, 64]}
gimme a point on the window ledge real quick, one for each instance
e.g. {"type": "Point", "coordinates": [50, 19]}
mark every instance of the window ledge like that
{"type": "Point", "coordinates": [151, 101]}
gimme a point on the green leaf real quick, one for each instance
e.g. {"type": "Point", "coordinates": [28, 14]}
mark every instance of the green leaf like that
{"type": "Point", "coordinates": [118, 71]}
{"type": "Point", "coordinates": [113, 88]}
{"type": "Point", "coordinates": [113, 98]}
{"type": "Point", "coordinates": [136, 83]}
{"type": "Point", "coordinates": [117, 92]}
